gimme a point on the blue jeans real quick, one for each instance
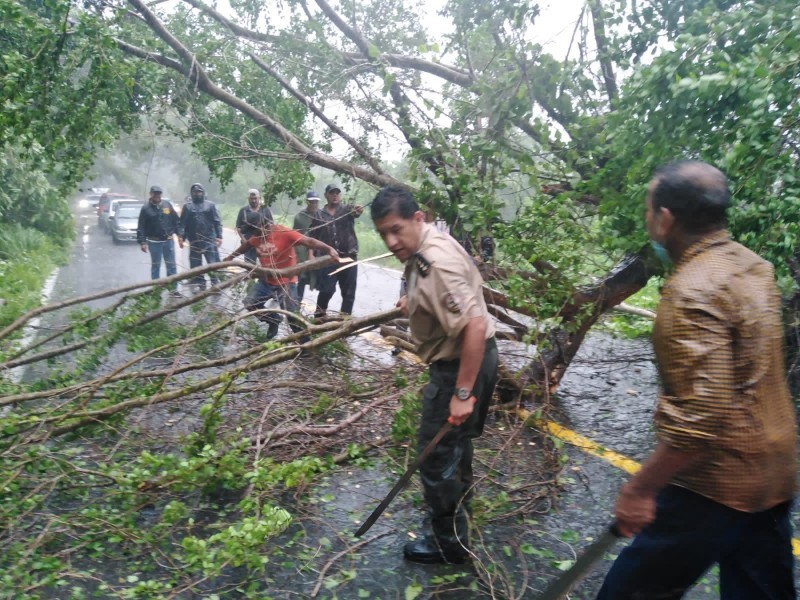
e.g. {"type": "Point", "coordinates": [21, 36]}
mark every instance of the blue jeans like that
{"type": "Point", "coordinates": [165, 249]}
{"type": "Point", "coordinates": [199, 249]}
{"type": "Point", "coordinates": [690, 534]}
{"type": "Point", "coordinates": [286, 297]}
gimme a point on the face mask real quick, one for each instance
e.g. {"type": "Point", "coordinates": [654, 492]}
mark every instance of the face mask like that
{"type": "Point", "coordinates": [197, 198]}
{"type": "Point", "coordinates": [661, 253]}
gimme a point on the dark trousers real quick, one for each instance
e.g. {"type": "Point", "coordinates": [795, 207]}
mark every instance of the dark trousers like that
{"type": "Point", "coordinates": [302, 283]}
{"type": "Point", "coordinates": [199, 249]}
{"type": "Point", "coordinates": [326, 284]}
{"type": "Point", "coordinates": [689, 535]}
{"type": "Point", "coordinates": [251, 254]}
{"type": "Point", "coordinates": [447, 472]}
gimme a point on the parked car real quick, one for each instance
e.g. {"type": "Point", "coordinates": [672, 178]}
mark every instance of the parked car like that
{"type": "Point", "coordinates": [92, 198]}
{"type": "Point", "coordinates": [124, 220]}
{"type": "Point", "coordinates": [89, 201]}
{"type": "Point", "coordinates": [104, 207]}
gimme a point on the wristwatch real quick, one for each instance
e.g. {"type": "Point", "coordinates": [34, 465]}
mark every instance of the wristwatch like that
{"type": "Point", "coordinates": [463, 393]}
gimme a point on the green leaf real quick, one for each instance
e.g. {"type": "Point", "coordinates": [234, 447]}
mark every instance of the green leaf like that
{"type": "Point", "coordinates": [412, 591]}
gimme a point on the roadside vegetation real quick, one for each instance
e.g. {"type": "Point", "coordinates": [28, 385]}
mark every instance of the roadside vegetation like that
{"type": "Point", "coordinates": [157, 449]}
{"type": "Point", "coordinates": [27, 258]}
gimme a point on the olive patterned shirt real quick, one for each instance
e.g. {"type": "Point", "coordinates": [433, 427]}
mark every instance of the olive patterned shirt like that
{"type": "Point", "coordinates": [718, 340]}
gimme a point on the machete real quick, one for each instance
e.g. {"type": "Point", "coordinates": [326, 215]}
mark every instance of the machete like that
{"type": "Point", "coordinates": [404, 479]}
{"type": "Point", "coordinates": [358, 262]}
{"type": "Point", "coordinates": [569, 578]}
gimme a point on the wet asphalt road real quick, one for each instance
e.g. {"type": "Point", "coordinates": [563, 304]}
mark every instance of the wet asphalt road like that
{"type": "Point", "coordinates": [98, 264]}
{"type": "Point", "coordinates": [607, 396]}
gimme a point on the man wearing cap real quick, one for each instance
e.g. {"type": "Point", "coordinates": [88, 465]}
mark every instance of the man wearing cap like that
{"type": "Point", "coordinates": [158, 222]}
{"type": "Point", "coordinates": [302, 223]}
{"type": "Point", "coordinates": [335, 225]}
{"type": "Point", "coordinates": [202, 226]}
{"type": "Point", "coordinates": [275, 246]}
{"type": "Point", "coordinates": [243, 228]}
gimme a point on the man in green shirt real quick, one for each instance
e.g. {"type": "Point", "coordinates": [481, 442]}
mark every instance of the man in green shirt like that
{"type": "Point", "coordinates": [302, 223]}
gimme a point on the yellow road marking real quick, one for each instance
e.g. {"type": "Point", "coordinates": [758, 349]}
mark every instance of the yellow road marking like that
{"type": "Point", "coordinates": [581, 442]}
{"type": "Point", "coordinates": [590, 447]}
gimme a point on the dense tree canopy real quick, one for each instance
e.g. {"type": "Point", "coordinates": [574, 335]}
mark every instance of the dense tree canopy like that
{"type": "Point", "coordinates": [549, 151]}
{"type": "Point", "coordinates": [470, 94]}
{"type": "Point", "coordinates": [64, 93]}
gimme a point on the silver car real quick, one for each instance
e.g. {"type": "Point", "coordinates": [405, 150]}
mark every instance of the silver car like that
{"type": "Point", "coordinates": [104, 216]}
{"type": "Point", "coordinates": [124, 220]}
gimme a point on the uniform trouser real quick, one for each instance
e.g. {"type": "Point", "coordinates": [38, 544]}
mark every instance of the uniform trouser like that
{"type": "Point", "coordinates": [689, 535]}
{"type": "Point", "coordinates": [159, 249]}
{"type": "Point", "coordinates": [326, 284]}
{"type": "Point", "coordinates": [447, 472]}
{"type": "Point", "coordinates": [286, 297]}
{"type": "Point", "coordinates": [199, 249]}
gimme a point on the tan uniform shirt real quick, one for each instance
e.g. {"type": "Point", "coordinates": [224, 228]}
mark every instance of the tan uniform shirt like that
{"type": "Point", "coordinates": [444, 294]}
{"type": "Point", "coordinates": [718, 341]}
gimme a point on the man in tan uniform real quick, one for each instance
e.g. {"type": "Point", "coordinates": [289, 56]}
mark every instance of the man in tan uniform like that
{"type": "Point", "coordinates": [718, 487]}
{"type": "Point", "coordinates": [455, 335]}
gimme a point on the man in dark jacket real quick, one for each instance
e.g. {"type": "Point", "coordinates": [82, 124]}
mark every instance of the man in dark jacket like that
{"type": "Point", "coordinates": [158, 223]}
{"type": "Point", "coordinates": [243, 226]}
{"type": "Point", "coordinates": [334, 225]}
{"type": "Point", "coordinates": [202, 226]}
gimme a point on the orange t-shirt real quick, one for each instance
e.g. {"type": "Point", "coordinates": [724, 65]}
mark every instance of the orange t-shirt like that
{"type": "Point", "coordinates": [276, 251]}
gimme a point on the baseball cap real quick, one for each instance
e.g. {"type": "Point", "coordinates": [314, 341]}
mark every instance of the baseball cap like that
{"type": "Point", "coordinates": [154, 189]}
{"type": "Point", "coordinates": [332, 186]}
{"type": "Point", "coordinates": [310, 196]}
{"type": "Point", "coordinates": [254, 191]}
{"type": "Point", "coordinates": [197, 186]}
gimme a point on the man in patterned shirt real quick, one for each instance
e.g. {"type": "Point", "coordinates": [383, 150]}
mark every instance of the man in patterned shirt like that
{"type": "Point", "coordinates": [718, 487]}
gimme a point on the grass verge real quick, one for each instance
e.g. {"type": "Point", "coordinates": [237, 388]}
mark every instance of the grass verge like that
{"type": "Point", "coordinates": [27, 257]}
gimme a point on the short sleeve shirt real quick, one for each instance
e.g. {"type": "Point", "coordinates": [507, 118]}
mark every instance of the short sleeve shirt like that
{"type": "Point", "coordinates": [445, 292]}
{"type": "Point", "coordinates": [276, 251]}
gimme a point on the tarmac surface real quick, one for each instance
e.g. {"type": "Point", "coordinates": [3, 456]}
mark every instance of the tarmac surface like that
{"type": "Point", "coordinates": [606, 399]}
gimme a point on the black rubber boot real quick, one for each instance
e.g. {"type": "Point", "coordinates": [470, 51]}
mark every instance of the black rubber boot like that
{"type": "Point", "coordinates": [272, 330]}
{"type": "Point", "coordinates": [448, 544]}
{"type": "Point", "coordinates": [297, 327]}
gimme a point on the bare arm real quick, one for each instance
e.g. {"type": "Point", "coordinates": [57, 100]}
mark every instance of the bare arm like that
{"type": "Point", "coordinates": [315, 244]}
{"type": "Point", "coordinates": [239, 251]}
{"type": "Point", "coordinates": [636, 504]}
{"type": "Point", "coordinates": [473, 344]}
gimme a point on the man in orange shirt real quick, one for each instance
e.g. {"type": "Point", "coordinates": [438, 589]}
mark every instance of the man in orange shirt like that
{"type": "Point", "coordinates": [275, 248]}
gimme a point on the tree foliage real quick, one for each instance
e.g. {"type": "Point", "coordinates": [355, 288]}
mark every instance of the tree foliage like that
{"type": "Point", "coordinates": [548, 151]}
{"type": "Point", "coordinates": [64, 91]}
{"type": "Point", "coordinates": [727, 95]}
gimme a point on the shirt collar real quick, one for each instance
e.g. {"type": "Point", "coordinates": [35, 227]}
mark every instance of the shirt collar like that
{"type": "Point", "coordinates": [708, 241]}
{"type": "Point", "coordinates": [427, 232]}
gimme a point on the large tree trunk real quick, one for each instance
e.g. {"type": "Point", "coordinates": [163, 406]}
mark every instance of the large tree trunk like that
{"type": "Point", "coordinates": [541, 376]}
